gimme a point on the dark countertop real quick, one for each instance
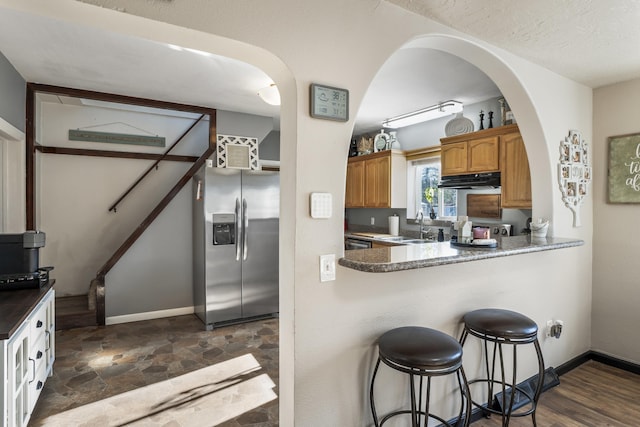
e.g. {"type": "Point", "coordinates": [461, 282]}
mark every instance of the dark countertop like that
{"type": "Point", "coordinates": [16, 305]}
{"type": "Point", "coordinates": [408, 257]}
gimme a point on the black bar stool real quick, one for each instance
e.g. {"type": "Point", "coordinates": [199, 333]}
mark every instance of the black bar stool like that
{"type": "Point", "coordinates": [504, 327]}
{"type": "Point", "coordinates": [426, 353]}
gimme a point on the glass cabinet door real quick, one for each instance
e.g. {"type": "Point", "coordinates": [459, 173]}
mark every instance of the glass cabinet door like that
{"type": "Point", "coordinates": [18, 398]}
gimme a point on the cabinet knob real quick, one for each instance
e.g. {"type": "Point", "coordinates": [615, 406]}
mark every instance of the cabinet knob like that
{"type": "Point", "coordinates": [39, 385]}
{"type": "Point", "coordinates": [39, 355]}
{"type": "Point", "coordinates": [39, 324]}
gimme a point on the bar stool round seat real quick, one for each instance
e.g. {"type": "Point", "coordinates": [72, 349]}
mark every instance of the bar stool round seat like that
{"type": "Point", "coordinates": [422, 352]}
{"type": "Point", "coordinates": [501, 324]}
{"type": "Point", "coordinates": [504, 327]}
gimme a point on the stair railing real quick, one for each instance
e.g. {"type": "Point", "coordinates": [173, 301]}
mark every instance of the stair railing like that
{"type": "Point", "coordinates": [100, 277]}
{"type": "Point", "coordinates": [153, 166]}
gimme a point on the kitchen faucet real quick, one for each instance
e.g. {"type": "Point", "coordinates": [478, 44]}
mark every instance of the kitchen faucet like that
{"type": "Point", "coordinates": [424, 234]}
{"type": "Point", "coordinates": [420, 220]}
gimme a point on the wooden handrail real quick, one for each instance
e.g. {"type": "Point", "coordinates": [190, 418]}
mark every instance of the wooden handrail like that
{"type": "Point", "coordinates": [154, 213]}
{"type": "Point", "coordinates": [154, 165]}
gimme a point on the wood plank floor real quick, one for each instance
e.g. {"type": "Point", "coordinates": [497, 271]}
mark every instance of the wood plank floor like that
{"type": "Point", "coordinates": [592, 395]}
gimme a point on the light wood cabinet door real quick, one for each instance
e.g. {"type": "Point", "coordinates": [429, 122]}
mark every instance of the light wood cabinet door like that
{"type": "Point", "coordinates": [354, 195]}
{"type": "Point", "coordinates": [377, 177]}
{"type": "Point", "coordinates": [483, 155]}
{"type": "Point", "coordinates": [515, 175]}
{"type": "Point", "coordinates": [453, 159]}
{"type": "Point", "coordinates": [377, 180]}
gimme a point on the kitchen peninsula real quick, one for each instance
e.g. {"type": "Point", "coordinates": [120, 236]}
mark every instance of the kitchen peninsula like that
{"type": "Point", "coordinates": [408, 257]}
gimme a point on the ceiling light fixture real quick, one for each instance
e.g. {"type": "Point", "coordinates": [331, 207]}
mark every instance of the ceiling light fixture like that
{"type": "Point", "coordinates": [270, 94]}
{"type": "Point", "coordinates": [429, 113]}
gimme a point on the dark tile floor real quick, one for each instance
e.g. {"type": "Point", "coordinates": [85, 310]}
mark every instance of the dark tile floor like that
{"type": "Point", "coordinates": [94, 363]}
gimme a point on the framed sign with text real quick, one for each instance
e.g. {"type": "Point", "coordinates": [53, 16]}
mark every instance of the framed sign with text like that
{"type": "Point", "coordinates": [624, 169]}
{"type": "Point", "coordinates": [330, 103]}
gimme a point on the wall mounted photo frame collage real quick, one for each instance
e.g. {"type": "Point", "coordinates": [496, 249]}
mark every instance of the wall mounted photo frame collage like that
{"type": "Point", "coordinates": [574, 172]}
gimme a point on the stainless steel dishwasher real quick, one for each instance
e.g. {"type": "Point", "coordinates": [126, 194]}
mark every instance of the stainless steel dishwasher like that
{"type": "Point", "coordinates": [352, 243]}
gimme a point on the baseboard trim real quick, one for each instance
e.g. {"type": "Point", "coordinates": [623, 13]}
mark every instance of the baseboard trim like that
{"type": "Point", "coordinates": [598, 357]}
{"type": "Point", "coordinates": [477, 413]}
{"type": "Point", "coordinates": [573, 363]}
{"type": "Point", "coordinates": [615, 362]}
{"type": "Point", "coordinates": [149, 315]}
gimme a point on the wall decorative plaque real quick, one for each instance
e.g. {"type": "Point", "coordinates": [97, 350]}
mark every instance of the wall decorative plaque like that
{"type": "Point", "coordinates": [624, 169]}
{"type": "Point", "coordinates": [574, 172]}
{"type": "Point", "coordinates": [238, 152]}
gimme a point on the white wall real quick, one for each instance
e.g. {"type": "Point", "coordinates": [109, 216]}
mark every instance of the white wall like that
{"type": "Point", "coordinates": [616, 237]}
{"type": "Point", "coordinates": [328, 330]}
{"type": "Point", "coordinates": [12, 169]}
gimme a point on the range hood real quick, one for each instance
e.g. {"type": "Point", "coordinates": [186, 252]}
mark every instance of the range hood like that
{"type": "Point", "coordinates": [474, 180]}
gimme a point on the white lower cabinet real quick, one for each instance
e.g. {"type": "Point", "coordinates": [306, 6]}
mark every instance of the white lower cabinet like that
{"type": "Point", "coordinates": [27, 360]}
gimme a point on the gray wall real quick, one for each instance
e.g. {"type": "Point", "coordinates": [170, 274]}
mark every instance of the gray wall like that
{"type": "Point", "coordinates": [242, 124]}
{"type": "Point", "coordinates": [13, 94]}
{"type": "Point", "coordinates": [270, 146]}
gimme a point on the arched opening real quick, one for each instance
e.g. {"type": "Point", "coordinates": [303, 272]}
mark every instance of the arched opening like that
{"type": "Point", "coordinates": [449, 68]}
{"type": "Point", "coordinates": [281, 76]}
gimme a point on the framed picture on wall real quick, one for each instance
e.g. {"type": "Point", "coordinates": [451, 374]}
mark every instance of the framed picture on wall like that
{"type": "Point", "coordinates": [624, 168]}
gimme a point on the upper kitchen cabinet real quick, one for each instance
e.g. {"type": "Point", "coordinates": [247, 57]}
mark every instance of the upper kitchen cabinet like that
{"type": "Point", "coordinates": [354, 196]}
{"type": "Point", "coordinates": [515, 175]}
{"type": "Point", "coordinates": [470, 153]}
{"type": "Point", "coordinates": [498, 149]}
{"type": "Point", "coordinates": [377, 180]}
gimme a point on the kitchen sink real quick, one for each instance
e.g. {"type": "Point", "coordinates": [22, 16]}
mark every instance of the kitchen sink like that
{"type": "Point", "coordinates": [406, 240]}
{"type": "Point", "coordinates": [394, 239]}
{"type": "Point", "coordinates": [417, 241]}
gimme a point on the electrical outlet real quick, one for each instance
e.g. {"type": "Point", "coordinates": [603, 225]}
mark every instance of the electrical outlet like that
{"type": "Point", "coordinates": [549, 326]}
{"type": "Point", "coordinates": [554, 328]}
{"type": "Point", "coordinates": [327, 267]}
{"type": "Point", "coordinates": [373, 220]}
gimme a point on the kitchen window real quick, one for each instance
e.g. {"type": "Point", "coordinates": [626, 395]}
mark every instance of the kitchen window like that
{"type": "Point", "coordinates": [424, 194]}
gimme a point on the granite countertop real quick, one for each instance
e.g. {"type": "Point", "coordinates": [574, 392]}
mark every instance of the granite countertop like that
{"type": "Point", "coordinates": [15, 306]}
{"type": "Point", "coordinates": [408, 257]}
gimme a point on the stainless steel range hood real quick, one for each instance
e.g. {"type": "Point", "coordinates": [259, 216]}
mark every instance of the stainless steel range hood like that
{"type": "Point", "coordinates": [468, 181]}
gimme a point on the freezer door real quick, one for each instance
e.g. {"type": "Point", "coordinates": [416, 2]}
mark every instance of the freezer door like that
{"type": "Point", "coordinates": [223, 263]}
{"type": "Point", "coordinates": [261, 195]}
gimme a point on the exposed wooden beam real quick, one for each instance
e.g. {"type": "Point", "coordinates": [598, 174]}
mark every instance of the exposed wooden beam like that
{"type": "Point", "coordinates": [30, 139]}
{"type": "Point", "coordinates": [121, 99]}
{"type": "Point", "coordinates": [115, 154]}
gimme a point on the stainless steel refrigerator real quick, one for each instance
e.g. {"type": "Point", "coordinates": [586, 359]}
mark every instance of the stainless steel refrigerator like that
{"type": "Point", "coordinates": [235, 244]}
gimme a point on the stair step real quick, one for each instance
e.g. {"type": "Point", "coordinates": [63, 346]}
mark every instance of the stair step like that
{"type": "Point", "coordinates": [72, 312]}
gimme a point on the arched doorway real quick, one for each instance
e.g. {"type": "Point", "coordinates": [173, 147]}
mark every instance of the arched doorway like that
{"type": "Point", "coordinates": [468, 57]}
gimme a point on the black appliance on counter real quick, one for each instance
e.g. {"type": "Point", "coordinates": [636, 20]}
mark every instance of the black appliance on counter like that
{"type": "Point", "coordinates": [20, 261]}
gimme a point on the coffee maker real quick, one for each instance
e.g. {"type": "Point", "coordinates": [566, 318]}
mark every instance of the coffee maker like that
{"type": "Point", "coordinates": [20, 261]}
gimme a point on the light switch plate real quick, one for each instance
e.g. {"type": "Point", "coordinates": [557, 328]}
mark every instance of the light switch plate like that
{"type": "Point", "coordinates": [320, 205]}
{"type": "Point", "coordinates": [327, 267]}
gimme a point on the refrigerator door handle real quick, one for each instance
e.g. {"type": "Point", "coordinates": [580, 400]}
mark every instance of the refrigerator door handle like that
{"type": "Point", "coordinates": [238, 229]}
{"type": "Point", "coordinates": [245, 231]}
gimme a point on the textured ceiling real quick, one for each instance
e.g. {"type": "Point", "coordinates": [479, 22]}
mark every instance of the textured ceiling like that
{"type": "Point", "coordinates": [595, 42]}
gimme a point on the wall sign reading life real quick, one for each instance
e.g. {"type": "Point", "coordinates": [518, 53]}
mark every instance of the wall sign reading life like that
{"type": "Point", "coordinates": [329, 103]}
{"type": "Point", "coordinates": [624, 169]}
